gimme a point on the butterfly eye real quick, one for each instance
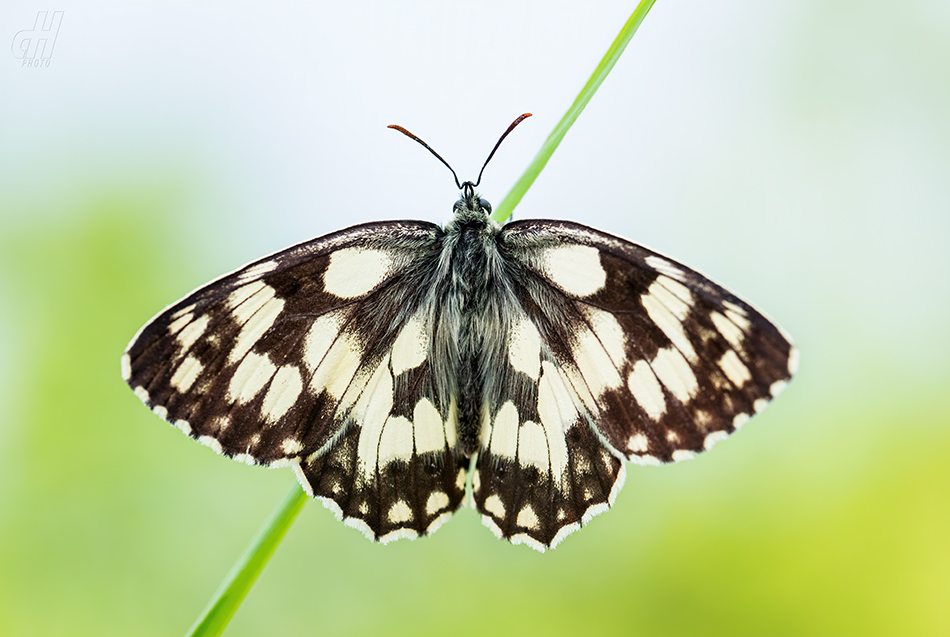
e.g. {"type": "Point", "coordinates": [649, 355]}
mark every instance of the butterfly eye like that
{"type": "Point", "coordinates": [484, 204]}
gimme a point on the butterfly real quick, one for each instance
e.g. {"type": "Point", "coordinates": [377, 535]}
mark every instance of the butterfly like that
{"type": "Point", "coordinates": [392, 363]}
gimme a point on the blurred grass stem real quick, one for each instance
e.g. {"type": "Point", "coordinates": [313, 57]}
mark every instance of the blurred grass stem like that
{"type": "Point", "coordinates": [243, 574]}
{"type": "Point", "coordinates": [507, 205]}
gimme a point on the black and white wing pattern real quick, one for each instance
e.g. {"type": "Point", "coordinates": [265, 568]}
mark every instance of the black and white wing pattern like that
{"type": "Point", "coordinates": [615, 353]}
{"type": "Point", "coordinates": [316, 358]}
{"type": "Point", "coordinates": [385, 361]}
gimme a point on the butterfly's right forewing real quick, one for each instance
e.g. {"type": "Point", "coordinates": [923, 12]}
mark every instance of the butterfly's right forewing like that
{"type": "Point", "coordinates": [631, 357]}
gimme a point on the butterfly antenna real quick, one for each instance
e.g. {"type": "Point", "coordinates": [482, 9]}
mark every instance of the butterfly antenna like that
{"type": "Point", "coordinates": [520, 119]}
{"type": "Point", "coordinates": [429, 148]}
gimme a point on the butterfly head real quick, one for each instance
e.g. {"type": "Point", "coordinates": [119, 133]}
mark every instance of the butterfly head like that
{"type": "Point", "coordinates": [470, 204]}
{"type": "Point", "coordinates": [470, 207]}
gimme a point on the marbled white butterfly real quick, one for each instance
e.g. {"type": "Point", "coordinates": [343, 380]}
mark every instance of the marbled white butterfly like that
{"type": "Point", "coordinates": [385, 362]}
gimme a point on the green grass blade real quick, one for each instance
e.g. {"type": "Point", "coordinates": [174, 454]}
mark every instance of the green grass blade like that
{"type": "Point", "coordinates": [507, 205]}
{"type": "Point", "coordinates": [245, 571]}
{"type": "Point", "coordinates": [243, 574]}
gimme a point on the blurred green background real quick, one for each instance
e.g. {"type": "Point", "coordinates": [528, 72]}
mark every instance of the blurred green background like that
{"type": "Point", "coordinates": [798, 152]}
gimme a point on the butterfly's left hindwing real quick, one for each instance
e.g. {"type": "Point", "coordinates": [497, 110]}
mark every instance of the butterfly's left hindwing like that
{"type": "Point", "coordinates": [316, 357]}
{"type": "Point", "coordinates": [632, 357]}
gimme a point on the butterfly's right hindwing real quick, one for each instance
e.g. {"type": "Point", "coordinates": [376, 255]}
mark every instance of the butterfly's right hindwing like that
{"type": "Point", "coordinates": [634, 357]}
{"type": "Point", "coordinates": [317, 357]}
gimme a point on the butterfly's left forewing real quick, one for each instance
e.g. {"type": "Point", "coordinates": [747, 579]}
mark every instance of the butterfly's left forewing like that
{"type": "Point", "coordinates": [317, 358]}
{"type": "Point", "coordinates": [631, 357]}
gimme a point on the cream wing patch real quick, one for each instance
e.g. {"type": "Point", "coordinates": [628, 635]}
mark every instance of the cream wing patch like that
{"type": "Point", "coordinates": [504, 432]}
{"type": "Point", "coordinates": [428, 428]}
{"type": "Point", "coordinates": [338, 366]}
{"type": "Point", "coordinates": [558, 412]}
{"type": "Point", "coordinates": [662, 265]}
{"type": "Point", "coordinates": [533, 446]}
{"type": "Point", "coordinates": [371, 412]}
{"type": "Point", "coordinates": [646, 389]}
{"type": "Point", "coordinates": [257, 271]}
{"type": "Point", "coordinates": [180, 322]}
{"type": "Point", "coordinates": [597, 372]}
{"type": "Point", "coordinates": [528, 519]}
{"type": "Point", "coordinates": [395, 443]}
{"type": "Point", "coordinates": [729, 326]}
{"type": "Point", "coordinates": [524, 347]}
{"type": "Point", "coordinates": [283, 392]}
{"type": "Point", "coordinates": [609, 333]}
{"type": "Point", "coordinates": [668, 312]}
{"type": "Point", "coordinates": [193, 331]}
{"type": "Point", "coordinates": [437, 501]}
{"type": "Point", "coordinates": [186, 374]}
{"type": "Point", "coordinates": [734, 368]}
{"type": "Point", "coordinates": [675, 373]}
{"type": "Point", "coordinates": [256, 312]}
{"type": "Point", "coordinates": [353, 272]}
{"type": "Point", "coordinates": [576, 269]}
{"type": "Point", "coordinates": [409, 350]}
{"type": "Point", "coordinates": [250, 377]}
